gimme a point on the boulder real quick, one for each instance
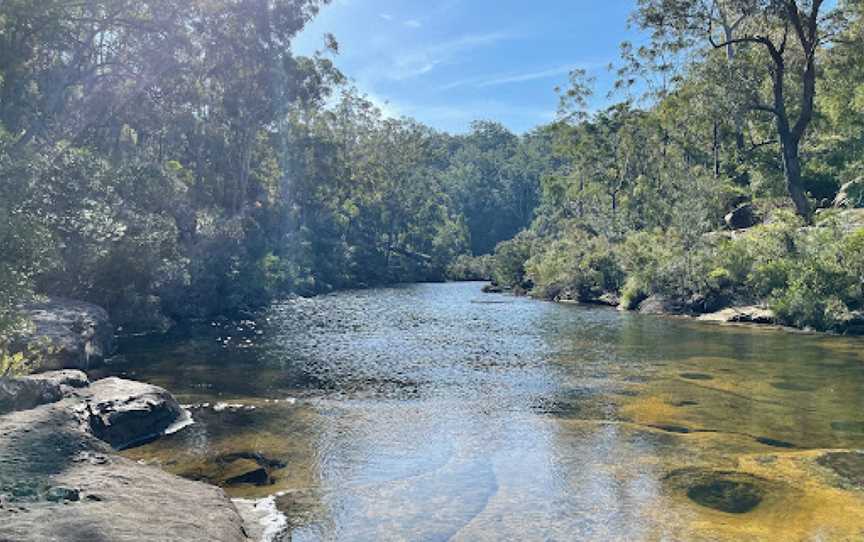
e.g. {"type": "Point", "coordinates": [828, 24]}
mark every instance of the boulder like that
{"type": "Point", "coordinates": [853, 323]}
{"type": "Point", "coordinates": [851, 195]}
{"type": "Point", "coordinates": [125, 413]}
{"type": "Point", "coordinates": [610, 299]}
{"type": "Point", "coordinates": [66, 334]}
{"type": "Point", "coordinates": [657, 304]}
{"type": "Point", "coordinates": [744, 216]}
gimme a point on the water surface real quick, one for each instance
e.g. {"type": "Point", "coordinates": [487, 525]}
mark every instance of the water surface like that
{"type": "Point", "coordinates": [436, 412]}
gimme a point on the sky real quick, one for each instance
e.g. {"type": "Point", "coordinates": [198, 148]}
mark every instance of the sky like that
{"type": "Point", "coordinates": [449, 62]}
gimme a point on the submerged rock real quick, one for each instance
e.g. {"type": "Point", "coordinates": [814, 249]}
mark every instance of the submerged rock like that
{"type": "Point", "coordinates": [66, 334]}
{"type": "Point", "coordinates": [246, 471]}
{"type": "Point", "coordinates": [726, 491]}
{"type": "Point", "coordinates": [774, 443]}
{"type": "Point", "coordinates": [848, 466]}
{"type": "Point", "coordinates": [730, 496]}
{"type": "Point", "coordinates": [696, 376]}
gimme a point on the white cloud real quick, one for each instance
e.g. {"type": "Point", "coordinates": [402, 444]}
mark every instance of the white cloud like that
{"type": "Point", "coordinates": [417, 62]}
{"type": "Point", "coordinates": [507, 79]}
{"type": "Point", "coordinates": [386, 16]}
{"type": "Point", "coordinates": [413, 23]}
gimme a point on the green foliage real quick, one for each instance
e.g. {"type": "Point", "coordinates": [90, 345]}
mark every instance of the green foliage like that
{"type": "Point", "coordinates": [508, 267]}
{"type": "Point", "coordinates": [13, 364]}
{"type": "Point", "coordinates": [468, 268]}
{"type": "Point", "coordinates": [171, 159]}
{"type": "Point", "coordinates": [578, 265]}
{"type": "Point", "coordinates": [823, 283]}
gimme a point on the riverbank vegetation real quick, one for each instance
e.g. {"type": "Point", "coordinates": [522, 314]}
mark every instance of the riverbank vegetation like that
{"type": "Point", "coordinates": [730, 175]}
{"type": "Point", "coordinates": [172, 160]}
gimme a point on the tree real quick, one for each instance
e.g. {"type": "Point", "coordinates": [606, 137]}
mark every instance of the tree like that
{"type": "Point", "coordinates": [790, 33]}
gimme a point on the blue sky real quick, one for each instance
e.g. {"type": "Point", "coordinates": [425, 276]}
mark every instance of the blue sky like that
{"type": "Point", "coordinates": [449, 62]}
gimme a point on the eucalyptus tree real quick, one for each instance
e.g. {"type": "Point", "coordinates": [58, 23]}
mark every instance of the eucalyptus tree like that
{"type": "Point", "coordinates": [787, 36]}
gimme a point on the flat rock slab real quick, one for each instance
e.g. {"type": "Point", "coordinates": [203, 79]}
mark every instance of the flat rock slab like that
{"type": "Point", "coordinates": [34, 390]}
{"type": "Point", "coordinates": [748, 314]}
{"type": "Point", "coordinates": [120, 500]}
{"type": "Point", "coordinates": [59, 482]}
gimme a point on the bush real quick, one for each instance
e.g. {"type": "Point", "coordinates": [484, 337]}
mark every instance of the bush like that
{"type": "Point", "coordinates": [581, 265]}
{"type": "Point", "coordinates": [824, 280]}
{"type": "Point", "coordinates": [468, 268]}
{"type": "Point", "coordinates": [667, 263]}
{"type": "Point", "coordinates": [508, 262]}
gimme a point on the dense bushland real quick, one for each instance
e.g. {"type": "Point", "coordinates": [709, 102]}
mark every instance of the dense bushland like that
{"type": "Point", "coordinates": [173, 159]}
{"type": "Point", "coordinates": [647, 191]}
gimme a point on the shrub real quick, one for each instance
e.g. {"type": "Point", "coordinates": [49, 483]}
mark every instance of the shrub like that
{"type": "Point", "coordinates": [508, 262]}
{"type": "Point", "coordinates": [581, 264]}
{"type": "Point", "coordinates": [467, 267]}
{"type": "Point", "coordinates": [666, 263]}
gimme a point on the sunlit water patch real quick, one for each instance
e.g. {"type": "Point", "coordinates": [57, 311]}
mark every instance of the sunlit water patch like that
{"type": "Point", "coordinates": [436, 412]}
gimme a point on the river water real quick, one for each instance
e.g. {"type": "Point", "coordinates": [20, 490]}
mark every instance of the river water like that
{"type": "Point", "coordinates": [437, 412]}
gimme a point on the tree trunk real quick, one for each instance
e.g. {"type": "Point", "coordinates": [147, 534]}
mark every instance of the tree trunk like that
{"type": "Point", "coordinates": [792, 171]}
{"type": "Point", "coordinates": [790, 138]}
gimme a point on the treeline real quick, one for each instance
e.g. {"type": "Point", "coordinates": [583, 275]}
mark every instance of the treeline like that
{"type": "Point", "coordinates": [172, 159]}
{"type": "Point", "coordinates": [729, 174]}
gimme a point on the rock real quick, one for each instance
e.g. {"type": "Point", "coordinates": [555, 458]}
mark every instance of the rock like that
{"type": "Point", "coordinates": [657, 304]}
{"type": "Point", "coordinates": [34, 390]}
{"type": "Point", "coordinates": [609, 299]}
{"type": "Point", "coordinates": [263, 519]}
{"type": "Point", "coordinates": [492, 289]}
{"type": "Point", "coordinates": [745, 314]}
{"type": "Point", "coordinates": [847, 465]}
{"type": "Point", "coordinates": [246, 471]}
{"type": "Point", "coordinates": [852, 324]}
{"type": "Point", "coordinates": [123, 501]}
{"type": "Point", "coordinates": [726, 491]}
{"type": "Point", "coordinates": [851, 195]}
{"type": "Point", "coordinates": [66, 334]}
{"type": "Point", "coordinates": [744, 216]}
{"type": "Point", "coordinates": [125, 413]}
{"type": "Point", "coordinates": [60, 494]}
{"type": "Point", "coordinates": [59, 482]}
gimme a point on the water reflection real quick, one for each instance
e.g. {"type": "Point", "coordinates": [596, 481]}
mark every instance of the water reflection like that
{"type": "Point", "coordinates": [434, 412]}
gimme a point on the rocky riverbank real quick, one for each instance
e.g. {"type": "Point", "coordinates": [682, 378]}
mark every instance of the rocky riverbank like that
{"type": "Point", "coordinates": [59, 478]}
{"type": "Point", "coordinates": [744, 314]}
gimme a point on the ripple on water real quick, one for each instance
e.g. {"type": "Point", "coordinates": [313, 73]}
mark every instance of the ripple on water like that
{"type": "Point", "coordinates": [425, 415]}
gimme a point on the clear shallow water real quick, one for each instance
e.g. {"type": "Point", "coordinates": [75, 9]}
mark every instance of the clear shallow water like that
{"type": "Point", "coordinates": [436, 412]}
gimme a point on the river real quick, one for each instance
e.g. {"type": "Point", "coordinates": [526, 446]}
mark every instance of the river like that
{"type": "Point", "coordinates": [437, 412]}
